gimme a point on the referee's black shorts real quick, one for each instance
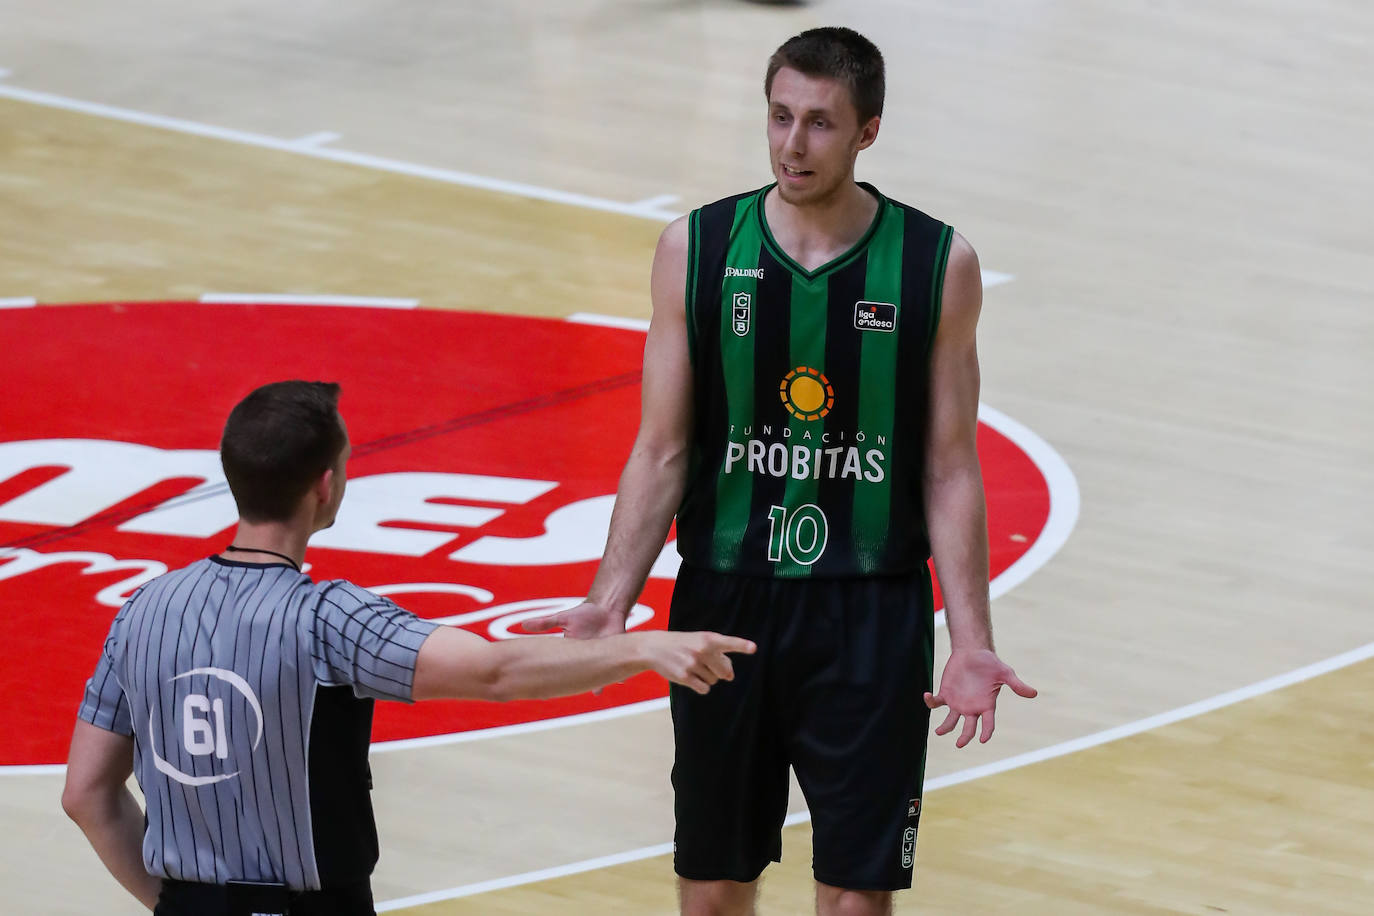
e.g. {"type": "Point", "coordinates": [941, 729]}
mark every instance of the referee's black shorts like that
{"type": "Point", "coordinates": [190, 898]}
{"type": "Point", "coordinates": [835, 690]}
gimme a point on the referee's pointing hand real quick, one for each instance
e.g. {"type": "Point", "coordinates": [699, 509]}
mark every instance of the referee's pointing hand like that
{"type": "Point", "coordinates": [694, 660]}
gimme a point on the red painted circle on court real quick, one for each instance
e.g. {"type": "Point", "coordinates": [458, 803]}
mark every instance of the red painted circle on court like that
{"type": "Point", "coordinates": [486, 451]}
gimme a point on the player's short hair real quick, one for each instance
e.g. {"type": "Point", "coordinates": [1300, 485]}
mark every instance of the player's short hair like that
{"type": "Point", "coordinates": [840, 54]}
{"type": "Point", "coordinates": [276, 444]}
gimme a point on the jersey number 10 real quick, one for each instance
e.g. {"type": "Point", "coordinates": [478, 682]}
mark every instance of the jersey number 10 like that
{"type": "Point", "coordinates": [204, 733]}
{"type": "Point", "coordinates": [801, 532]}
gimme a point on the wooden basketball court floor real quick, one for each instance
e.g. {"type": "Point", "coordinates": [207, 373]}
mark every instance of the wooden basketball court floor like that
{"type": "Point", "coordinates": [1181, 196]}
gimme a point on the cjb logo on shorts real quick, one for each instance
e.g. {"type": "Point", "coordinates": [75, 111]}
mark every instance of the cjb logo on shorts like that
{"type": "Point", "coordinates": [913, 818]}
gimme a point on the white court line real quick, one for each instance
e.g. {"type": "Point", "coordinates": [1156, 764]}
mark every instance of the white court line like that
{"type": "Point", "coordinates": [380, 302]}
{"type": "Point", "coordinates": [316, 139]}
{"type": "Point", "coordinates": [41, 769]}
{"type": "Point", "coordinates": [661, 200]}
{"type": "Point", "coordinates": [610, 321]}
{"type": "Point", "coordinates": [953, 779]}
{"type": "Point", "coordinates": [18, 302]}
{"type": "Point", "coordinates": [649, 208]}
{"type": "Point", "coordinates": [1064, 499]}
{"type": "Point", "coordinates": [523, 728]}
{"type": "Point", "coordinates": [379, 163]}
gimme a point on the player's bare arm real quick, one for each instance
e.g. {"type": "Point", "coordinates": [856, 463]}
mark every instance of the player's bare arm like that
{"type": "Point", "coordinates": [96, 798]}
{"type": "Point", "coordinates": [956, 511]}
{"type": "Point", "coordinates": [652, 483]}
{"type": "Point", "coordinates": [454, 663]}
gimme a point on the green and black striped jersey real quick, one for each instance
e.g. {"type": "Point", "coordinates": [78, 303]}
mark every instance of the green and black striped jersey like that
{"type": "Point", "coordinates": [810, 393]}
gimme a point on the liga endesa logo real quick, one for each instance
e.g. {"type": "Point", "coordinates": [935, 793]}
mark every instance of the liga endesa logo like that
{"type": "Point", "coordinates": [486, 454]}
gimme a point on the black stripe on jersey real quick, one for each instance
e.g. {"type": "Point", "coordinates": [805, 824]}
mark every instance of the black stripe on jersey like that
{"type": "Point", "coordinates": [913, 380]}
{"type": "Point", "coordinates": [711, 419]}
{"type": "Point", "coordinates": [772, 362]}
{"type": "Point", "coordinates": [689, 294]}
{"type": "Point", "coordinates": [843, 349]}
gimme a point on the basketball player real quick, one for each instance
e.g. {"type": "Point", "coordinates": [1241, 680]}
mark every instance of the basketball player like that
{"type": "Point", "coordinates": [809, 414]}
{"type": "Point", "coordinates": [240, 692]}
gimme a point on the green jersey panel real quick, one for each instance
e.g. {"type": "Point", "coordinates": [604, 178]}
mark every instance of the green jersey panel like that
{"type": "Point", "coordinates": [810, 393]}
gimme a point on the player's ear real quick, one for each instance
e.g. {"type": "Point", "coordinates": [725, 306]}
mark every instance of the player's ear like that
{"type": "Point", "coordinates": [869, 132]}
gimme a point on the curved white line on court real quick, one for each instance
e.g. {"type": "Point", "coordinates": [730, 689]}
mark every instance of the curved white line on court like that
{"type": "Point", "coordinates": [1212, 704]}
{"type": "Point", "coordinates": [1064, 499]}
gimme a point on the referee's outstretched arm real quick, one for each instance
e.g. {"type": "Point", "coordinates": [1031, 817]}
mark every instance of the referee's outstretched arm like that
{"type": "Point", "coordinates": [455, 663]}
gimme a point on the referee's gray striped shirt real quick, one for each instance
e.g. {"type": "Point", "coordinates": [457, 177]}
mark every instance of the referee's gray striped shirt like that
{"type": "Point", "coordinates": [247, 689]}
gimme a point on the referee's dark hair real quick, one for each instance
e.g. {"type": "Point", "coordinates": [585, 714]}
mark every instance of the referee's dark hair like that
{"type": "Point", "coordinates": [276, 444]}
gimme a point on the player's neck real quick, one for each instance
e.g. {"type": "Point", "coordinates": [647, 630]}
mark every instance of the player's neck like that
{"type": "Point", "coordinates": [816, 232]}
{"type": "Point", "coordinates": [274, 538]}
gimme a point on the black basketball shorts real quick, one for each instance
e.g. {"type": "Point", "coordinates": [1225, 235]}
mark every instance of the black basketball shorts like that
{"type": "Point", "coordinates": [835, 691]}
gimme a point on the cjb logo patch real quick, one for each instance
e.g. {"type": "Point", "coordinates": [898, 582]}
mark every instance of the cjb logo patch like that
{"type": "Point", "coordinates": [875, 316]}
{"type": "Point", "coordinates": [913, 818]}
{"type": "Point", "coordinates": [741, 314]}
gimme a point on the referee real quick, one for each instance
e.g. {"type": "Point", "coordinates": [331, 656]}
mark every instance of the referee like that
{"type": "Point", "coordinates": [240, 692]}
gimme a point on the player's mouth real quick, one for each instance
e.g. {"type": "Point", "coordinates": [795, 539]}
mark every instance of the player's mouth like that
{"type": "Point", "coordinates": [794, 173]}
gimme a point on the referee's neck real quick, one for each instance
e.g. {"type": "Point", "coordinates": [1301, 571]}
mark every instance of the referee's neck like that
{"type": "Point", "coordinates": [276, 538]}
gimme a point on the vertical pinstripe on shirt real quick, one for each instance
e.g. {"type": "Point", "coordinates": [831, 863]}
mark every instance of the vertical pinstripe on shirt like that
{"type": "Point", "coordinates": [218, 671]}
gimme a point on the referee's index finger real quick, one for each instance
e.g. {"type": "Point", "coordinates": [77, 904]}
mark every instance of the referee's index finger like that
{"type": "Point", "coordinates": [733, 644]}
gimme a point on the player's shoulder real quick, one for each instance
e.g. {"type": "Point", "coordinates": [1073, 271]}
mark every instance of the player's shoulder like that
{"type": "Point", "coordinates": [732, 201]}
{"type": "Point", "coordinates": [912, 213]}
{"type": "Point", "coordinates": [711, 225]}
{"type": "Point", "coordinates": [725, 213]}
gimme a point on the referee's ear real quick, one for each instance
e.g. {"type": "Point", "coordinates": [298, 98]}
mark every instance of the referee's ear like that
{"type": "Point", "coordinates": [324, 504]}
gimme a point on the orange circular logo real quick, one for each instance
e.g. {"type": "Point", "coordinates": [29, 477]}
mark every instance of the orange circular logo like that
{"type": "Point", "coordinates": [807, 393]}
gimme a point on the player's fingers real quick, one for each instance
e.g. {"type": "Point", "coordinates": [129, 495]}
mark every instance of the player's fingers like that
{"type": "Point", "coordinates": [989, 718]}
{"type": "Point", "coordinates": [933, 701]}
{"type": "Point", "coordinates": [1020, 687]}
{"type": "Point", "coordinates": [970, 728]}
{"type": "Point", "coordinates": [544, 624]}
{"type": "Point", "coordinates": [947, 726]}
{"type": "Point", "coordinates": [696, 684]}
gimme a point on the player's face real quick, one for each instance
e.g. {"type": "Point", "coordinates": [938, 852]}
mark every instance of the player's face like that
{"type": "Point", "coordinates": [814, 136]}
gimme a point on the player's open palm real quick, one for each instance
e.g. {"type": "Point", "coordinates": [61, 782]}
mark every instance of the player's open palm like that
{"type": "Point", "coordinates": [588, 620]}
{"type": "Point", "coordinates": [968, 687]}
{"type": "Point", "coordinates": [694, 660]}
